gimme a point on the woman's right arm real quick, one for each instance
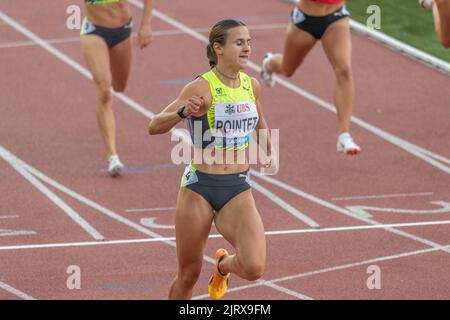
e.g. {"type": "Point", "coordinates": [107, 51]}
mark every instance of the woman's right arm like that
{"type": "Point", "coordinates": [192, 100]}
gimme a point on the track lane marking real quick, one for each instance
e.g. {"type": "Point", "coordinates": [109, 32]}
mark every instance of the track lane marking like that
{"type": "Point", "coordinates": [216, 236]}
{"type": "Point", "coordinates": [396, 195]}
{"type": "Point", "coordinates": [160, 33]}
{"type": "Point", "coordinates": [15, 291]}
{"type": "Point", "coordinates": [50, 195]}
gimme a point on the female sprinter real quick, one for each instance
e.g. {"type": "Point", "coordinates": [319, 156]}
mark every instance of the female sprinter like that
{"type": "Point", "coordinates": [218, 102]}
{"type": "Point", "coordinates": [326, 20]}
{"type": "Point", "coordinates": [106, 45]}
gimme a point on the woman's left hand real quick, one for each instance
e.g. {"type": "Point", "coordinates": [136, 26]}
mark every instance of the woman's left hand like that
{"type": "Point", "coordinates": [270, 165]}
{"type": "Point", "coordinates": [145, 36]}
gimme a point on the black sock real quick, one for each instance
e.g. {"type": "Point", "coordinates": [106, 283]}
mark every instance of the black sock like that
{"type": "Point", "coordinates": [218, 266]}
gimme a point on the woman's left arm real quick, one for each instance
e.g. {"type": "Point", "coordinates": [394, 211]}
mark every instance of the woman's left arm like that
{"type": "Point", "coordinates": [145, 30]}
{"type": "Point", "coordinates": [263, 136]}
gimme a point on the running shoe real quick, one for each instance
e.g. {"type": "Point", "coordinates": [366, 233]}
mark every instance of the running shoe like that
{"type": "Point", "coordinates": [218, 283]}
{"type": "Point", "coordinates": [115, 167]}
{"type": "Point", "coordinates": [346, 144]}
{"type": "Point", "coordinates": [427, 4]}
{"type": "Point", "coordinates": [267, 77]}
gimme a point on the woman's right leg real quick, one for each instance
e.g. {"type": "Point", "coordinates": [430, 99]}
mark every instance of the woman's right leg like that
{"type": "Point", "coordinates": [96, 54]}
{"type": "Point", "coordinates": [193, 222]}
{"type": "Point", "coordinates": [296, 46]}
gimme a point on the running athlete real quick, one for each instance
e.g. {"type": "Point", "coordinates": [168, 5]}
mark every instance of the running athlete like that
{"type": "Point", "coordinates": [106, 45]}
{"type": "Point", "coordinates": [441, 16]}
{"type": "Point", "coordinates": [311, 21]}
{"type": "Point", "coordinates": [222, 109]}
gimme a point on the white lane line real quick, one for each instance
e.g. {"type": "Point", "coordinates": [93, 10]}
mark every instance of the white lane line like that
{"type": "Point", "coordinates": [417, 151]}
{"type": "Point", "coordinates": [426, 155]}
{"type": "Point", "coordinates": [363, 227]}
{"type": "Point", "coordinates": [151, 209]}
{"type": "Point", "coordinates": [86, 243]}
{"type": "Point", "coordinates": [284, 205]}
{"type": "Point", "coordinates": [53, 197]}
{"type": "Point", "coordinates": [160, 33]}
{"type": "Point", "coordinates": [96, 206]}
{"type": "Point", "coordinates": [216, 236]}
{"type": "Point", "coordinates": [12, 233]}
{"type": "Point", "coordinates": [287, 291]}
{"type": "Point", "coordinates": [259, 283]}
{"type": "Point", "coordinates": [15, 291]}
{"type": "Point", "coordinates": [363, 210]}
{"type": "Point", "coordinates": [79, 197]}
{"type": "Point", "coordinates": [8, 217]}
{"type": "Point", "coordinates": [336, 208]}
{"type": "Point", "coordinates": [395, 195]}
{"type": "Point", "coordinates": [416, 54]}
{"type": "Point", "coordinates": [150, 222]}
{"type": "Point", "coordinates": [335, 268]}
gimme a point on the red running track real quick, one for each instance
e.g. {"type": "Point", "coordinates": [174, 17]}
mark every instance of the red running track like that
{"type": "Point", "coordinates": [58, 208]}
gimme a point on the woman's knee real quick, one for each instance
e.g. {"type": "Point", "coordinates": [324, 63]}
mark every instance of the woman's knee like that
{"type": "Point", "coordinates": [104, 92]}
{"type": "Point", "coordinates": [343, 71]}
{"type": "Point", "coordinates": [188, 276]}
{"type": "Point", "coordinates": [253, 270]}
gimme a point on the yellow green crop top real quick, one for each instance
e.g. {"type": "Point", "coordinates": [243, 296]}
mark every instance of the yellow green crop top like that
{"type": "Point", "coordinates": [231, 118]}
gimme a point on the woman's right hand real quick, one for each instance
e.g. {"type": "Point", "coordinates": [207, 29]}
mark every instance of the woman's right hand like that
{"type": "Point", "coordinates": [193, 106]}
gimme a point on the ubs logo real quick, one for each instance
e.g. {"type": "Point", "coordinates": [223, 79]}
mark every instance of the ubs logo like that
{"type": "Point", "coordinates": [243, 108]}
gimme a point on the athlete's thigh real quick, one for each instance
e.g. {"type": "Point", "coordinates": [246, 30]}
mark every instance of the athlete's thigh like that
{"type": "Point", "coordinates": [297, 45]}
{"type": "Point", "coordinates": [444, 17]}
{"type": "Point", "coordinates": [336, 43]}
{"type": "Point", "coordinates": [96, 54]}
{"type": "Point", "coordinates": [240, 224]}
{"type": "Point", "coordinates": [121, 63]}
{"type": "Point", "coordinates": [193, 222]}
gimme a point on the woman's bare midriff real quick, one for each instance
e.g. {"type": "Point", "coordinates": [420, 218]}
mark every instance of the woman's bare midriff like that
{"type": "Point", "coordinates": [313, 8]}
{"type": "Point", "coordinates": [110, 15]}
{"type": "Point", "coordinates": [216, 162]}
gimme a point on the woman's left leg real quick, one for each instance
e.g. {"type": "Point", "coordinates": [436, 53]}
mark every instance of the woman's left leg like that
{"type": "Point", "coordinates": [338, 48]}
{"type": "Point", "coordinates": [337, 45]}
{"type": "Point", "coordinates": [240, 224]}
{"type": "Point", "coordinates": [120, 64]}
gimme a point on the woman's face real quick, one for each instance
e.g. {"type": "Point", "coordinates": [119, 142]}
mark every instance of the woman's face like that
{"type": "Point", "coordinates": [236, 51]}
